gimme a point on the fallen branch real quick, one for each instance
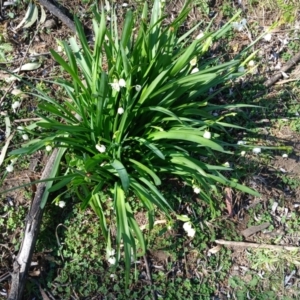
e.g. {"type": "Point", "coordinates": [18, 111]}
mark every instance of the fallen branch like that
{"type": "Point", "coordinates": [258, 246]}
{"type": "Point", "coordinates": [154, 297]}
{"type": "Point", "coordinates": [285, 68]}
{"type": "Point", "coordinates": [33, 222]}
{"type": "Point", "coordinates": [59, 14]}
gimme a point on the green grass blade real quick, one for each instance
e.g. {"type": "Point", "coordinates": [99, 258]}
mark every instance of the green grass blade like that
{"type": "Point", "coordinates": [119, 167]}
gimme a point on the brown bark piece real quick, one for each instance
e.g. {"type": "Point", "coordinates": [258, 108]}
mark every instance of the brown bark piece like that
{"type": "Point", "coordinates": [33, 222]}
{"type": "Point", "coordinates": [254, 229]}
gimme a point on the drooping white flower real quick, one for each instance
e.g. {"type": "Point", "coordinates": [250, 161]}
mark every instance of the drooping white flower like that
{"type": "Point", "coordinates": [25, 137]}
{"type": "Point", "coordinates": [120, 110]}
{"type": "Point", "coordinates": [268, 37]}
{"type": "Point", "coordinates": [101, 148]}
{"type": "Point", "coordinates": [15, 105]}
{"type": "Point", "coordinates": [197, 190]}
{"type": "Point", "coordinates": [117, 84]}
{"type": "Point", "coordinates": [243, 153]}
{"type": "Point", "coordinates": [138, 87]}
{"type": "Point", "coordinates": [59, 49]}
{"type": "Point", "coordinates": [207, 135]}
{"type": "Point", "coordinates": [226, 164]}
{"type": "Point", "coordinates": [187, 226]}
{"type": "Point", "coordinates": [10, 168]}
{"type": "Point", "coordinates": [61, 204]}
{"type": "Point", "coordinates": [193, 62]}
{"type": "Point", "coordinates": [195, 70]}
{"type": "Point", "coordinates": [191, 232]}
{"type": "Point", "coordinates": [251, 63]}
{"type": "Point", "coordinates": [239, 26]}
{"type": "Point", "coordinates": [199, 36]}
{"type": "Point", "coordinates": [256, 150]}
{"type": "Point", "coordinates": [241, 142]}
{"type": "Point", "coordinates": [112, 260]}
{"type": "Point", "coordinates": [20, 128]}
{"type": "Point", "coordinates": [122, 82]}
{"type": "Point", "coordinates": [110, 252]}
{"type": "Point", "coordinates": [48, 148]}
{"type": "Point", "coordinates": [285, 155]}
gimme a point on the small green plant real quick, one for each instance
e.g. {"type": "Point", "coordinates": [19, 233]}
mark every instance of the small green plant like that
{"type": "Point", "coordinates": [136, 111]}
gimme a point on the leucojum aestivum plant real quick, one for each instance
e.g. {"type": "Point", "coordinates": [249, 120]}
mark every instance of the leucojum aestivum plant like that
{"type": "Point", "coordinates": [136, 111]}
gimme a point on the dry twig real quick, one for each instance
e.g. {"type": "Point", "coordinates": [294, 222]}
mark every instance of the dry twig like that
{"type": "Point", "coordinates": [285, 68]}
{"type": "Point", "coordinates": [257, 246]}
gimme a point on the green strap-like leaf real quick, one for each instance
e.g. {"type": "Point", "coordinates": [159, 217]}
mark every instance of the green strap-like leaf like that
{"type": "Point", "coordinates": [144, 168]}
{"type": "Point", "coordinates": [119, 167]}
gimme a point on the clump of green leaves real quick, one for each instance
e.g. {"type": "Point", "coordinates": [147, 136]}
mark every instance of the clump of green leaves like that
{"type": "Point", "coordinates": [4, 49]}
{"type": "Point", "coordinates": [137, 111]}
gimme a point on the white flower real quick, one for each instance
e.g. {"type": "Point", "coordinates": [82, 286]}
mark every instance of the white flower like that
{"type": "Point", "coordinates": [191, 232]}
{"type": "Point", "coordinates": [251, 63]}
{"type": "Point", "coordinates": [197, 190]}
{"type": "Point", "coordinates": [256, 150]}
{"type": "Point", "coordinates": [101, 148]}
{"type": "Point", "coordinates": [187, 226]}
{"type": "Point", "coordinates": [59, 49]}
{"type": "Point", "coordinates": [110, 252]}
{"type": "Point", "coordinates": [193, 62]}
{"type": "Point", "coordinates": [241, 143]}
{"type": "Point", "coordinates": [120, 110]}
{"type": "Point", "coordinates": [9, 168]}
{"type": "Point", "coordinates": [110, 256]}
{"type": "Point", "coordinates": [48, 148]}
{"type": "Point", "coordinates": [112, 260]}
{"type": "Point", "coordinates": [15, 105]}
{"type": "Point", "coordinates": [117, 84]}
{"type": "Point", "coordinates": [195, 70]}
{"type": "Point", "coordinates": [138, 88]}
{"type": "Point", "coordinates": [239, 26]}
{"type": "Point", "coordinates": [244, 22]}
{"type": "Point", "coordinates": [20, 128]}
{"type": "Point", "coordinates": [199, 36]}
{"type": "Point", "coordinates": [268, 37]}
{"type": "Point", "coordinates": [122, 82]}
{"type": "Point", "coordinates": [241, 69]}
{"type": "Point", "coordinates": [207, 135]}
{"type": "Point", "coordinates": [61, 204]}
{"type": "Point", "coordinates": [285, 155]}
{"type": "Point", "coordinates": [243, 153]}
{"type": "Point", "coordinates": [25, 137]}
{"type": "Point", "coordinates": [227, 164]}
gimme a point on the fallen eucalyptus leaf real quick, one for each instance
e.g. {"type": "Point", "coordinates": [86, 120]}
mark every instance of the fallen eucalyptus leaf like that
{"type": "Point", "coordinates": [4, 149]}
{"type": "Point", "coordinates": [30, 17]}
{"type": "Point", "coordinates": [28, 67]}
{"type": "Point", "coordinates": [43, 15]}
